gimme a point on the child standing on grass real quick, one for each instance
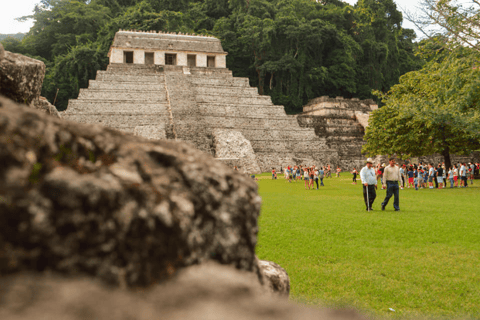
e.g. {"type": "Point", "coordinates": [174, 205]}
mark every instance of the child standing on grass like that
{"type": "Point", "coordinates": [274, 174]}
{"type": "Point", "coordinates": [338, 171]}
{"type": "Point", "coordinates": [354, 172]}
{"type": "Point", "coordinates": [410, 177]}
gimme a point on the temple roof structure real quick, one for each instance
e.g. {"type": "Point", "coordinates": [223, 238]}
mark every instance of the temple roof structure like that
{"type": "Point", "coordinates": [152, 40]}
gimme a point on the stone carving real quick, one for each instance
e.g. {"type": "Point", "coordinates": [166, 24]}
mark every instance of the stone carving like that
{"type": "Point", "coordinates": [275, 277]}
{"type": "Point", "coordinates": [21, 77]}
{"type": "Point", "coordinates": [130, 211]}
{"type": "Point", "coordinates": [232, 144]}
{"type": "Point", "coordinates": [199, 292]}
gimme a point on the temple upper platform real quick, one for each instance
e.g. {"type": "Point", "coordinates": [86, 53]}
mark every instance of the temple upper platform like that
{"type": "Point", "coordinates": [152, 48]}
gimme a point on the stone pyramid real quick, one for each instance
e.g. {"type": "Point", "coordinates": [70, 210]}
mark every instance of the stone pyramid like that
{"type": "Point", "coordinates": [206, 106]}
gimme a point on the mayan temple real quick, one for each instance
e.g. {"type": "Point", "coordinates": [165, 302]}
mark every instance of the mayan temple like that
{"type": "Point", "coordinates": [177, 86]}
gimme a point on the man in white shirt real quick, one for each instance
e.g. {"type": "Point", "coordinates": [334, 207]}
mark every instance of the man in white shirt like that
{"type": "Point", "coordinates": [392, 179]}
{"type": "Point", "coordinates": [463, 174]}
{"type": "Point", "coordinates": [369, 182]}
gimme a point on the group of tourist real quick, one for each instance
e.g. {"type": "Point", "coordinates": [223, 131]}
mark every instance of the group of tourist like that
{"type": "Point", "coordinates": [391, 177]}
{"type": "Point", "coordinates": [310, 175]}
{"type": "Point", "coordinates": [432, 176]}
{"type": "Point", "coordinates": [419, 176]}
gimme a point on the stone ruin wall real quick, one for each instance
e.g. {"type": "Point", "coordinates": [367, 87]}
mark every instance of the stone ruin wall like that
{"type": "Point", "coordinates": [341, 122]}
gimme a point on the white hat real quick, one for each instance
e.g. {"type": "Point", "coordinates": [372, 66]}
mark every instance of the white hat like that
{"type": "Point", "coordinates": [370, 160]}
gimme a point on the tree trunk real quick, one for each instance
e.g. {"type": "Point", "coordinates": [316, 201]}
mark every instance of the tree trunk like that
{"type": "Point", "coordinates": [446, 157]}
{"type": "Point", "coordinates": [260, 82]}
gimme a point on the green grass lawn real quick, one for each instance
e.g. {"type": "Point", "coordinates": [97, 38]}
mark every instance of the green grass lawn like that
{"type": "Point", "coordinates": [422, 261]}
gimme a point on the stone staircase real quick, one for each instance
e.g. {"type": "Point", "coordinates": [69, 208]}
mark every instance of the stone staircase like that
{"type": "Point", "coordinates": [342, 133]}
{"type": "Point", "coordinates": [230, 103]}
{"type": "Point", "coordinates": [126, 99]}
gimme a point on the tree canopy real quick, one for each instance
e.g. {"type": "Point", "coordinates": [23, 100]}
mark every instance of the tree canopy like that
{"type": "Point", "coordinates": [432, 110]}
{"type": "Point", "coordinates": [293, 50]}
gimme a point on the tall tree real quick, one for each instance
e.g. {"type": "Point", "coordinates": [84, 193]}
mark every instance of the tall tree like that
{"type": "Point", "coordinates": [433, 110]}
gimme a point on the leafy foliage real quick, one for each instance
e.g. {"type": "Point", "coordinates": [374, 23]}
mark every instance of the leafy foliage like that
{"type": "Point", "coordinates": [433, 110]}
{"type": "Point", "coordinates": [293, 50]}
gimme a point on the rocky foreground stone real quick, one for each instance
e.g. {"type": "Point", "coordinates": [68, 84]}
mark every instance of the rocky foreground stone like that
{"type": "Point", "coordinates": [209, 291]}
{"type": "Point", "coordinates": [85, 199]}
{"type": "Point", "coordinates": [21, 77]}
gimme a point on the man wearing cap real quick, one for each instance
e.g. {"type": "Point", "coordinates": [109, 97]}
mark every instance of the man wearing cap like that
{"type": "Point", "coordinates": [369, 182]}
{"type": "Point", "coordinates": [391, 179]}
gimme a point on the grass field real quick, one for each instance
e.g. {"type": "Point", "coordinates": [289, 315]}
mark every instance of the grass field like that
{"type": "Point", "coordinates": [423, 261]}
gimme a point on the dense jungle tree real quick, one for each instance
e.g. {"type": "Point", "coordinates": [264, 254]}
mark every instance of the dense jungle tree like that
{"type": "Point", "coordinates": [293, 50]}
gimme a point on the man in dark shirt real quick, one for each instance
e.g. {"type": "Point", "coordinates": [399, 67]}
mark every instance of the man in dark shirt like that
{"type": "Point", "coordinates": [440, 176]}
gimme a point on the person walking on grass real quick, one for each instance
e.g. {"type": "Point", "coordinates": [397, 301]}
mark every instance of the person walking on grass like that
{"type": "Point", "coordinates": [369, 182]}
{"type": "Point", "coordinates": [392, 179]}
{"type": "Point", "coordinates": [328, 172]}
{"type": "Point", "coordinates": [354, 172]}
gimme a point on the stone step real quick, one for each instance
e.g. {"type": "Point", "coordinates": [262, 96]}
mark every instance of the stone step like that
{"type": "Point", "coordinates": [210, 75]}
{"type": "Point", "coordinates": [227, 91]}
{"type": "Point", "coordinates": [238, 82]}
{"type": "Point", "coordinates": [237, 112]}
{"type": "Point", "coordinates": [258, 100]}
{"type": "Point", "coordinates": [130, 86]}
{"type": "Point", "coordinates": [100, 106]}
{"type": "Point", "coordinates": [107, 76]}
{"type": "Point", "coordinates": [241, 121]}
{"type": "Point", "coordinates": [118, 121]}
{"type": "Point", "coordinates": [207, 71]}
{"type": "Point", "coordinates": [122, 95]}
{"type": "Point", "coordinates": [134, 68]}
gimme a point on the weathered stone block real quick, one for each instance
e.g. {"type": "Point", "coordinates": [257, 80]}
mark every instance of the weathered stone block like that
{"type": "Point", "coordinates": [21, 77]}
{"type": "Point", "coordinates": [84, 199]}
